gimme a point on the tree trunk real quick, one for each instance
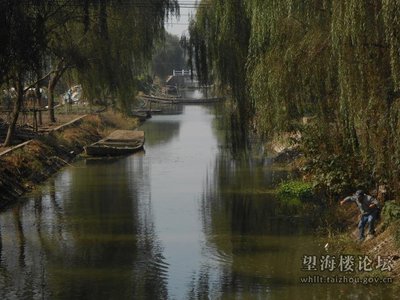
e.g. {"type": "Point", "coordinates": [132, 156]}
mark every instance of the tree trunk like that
{"type": "Point", "coordinates": [39, 101]}
{"type": "Point", "coordinates": [61, 68]}
{"type": "Point", "coordinates": [50, 97]}
{"type": "Point", "coordinates": [15, 114]}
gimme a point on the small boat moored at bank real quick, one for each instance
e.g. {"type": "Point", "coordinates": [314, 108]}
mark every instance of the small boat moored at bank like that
{"type": "Point", "coordinates": [119, 142]}
{"type": "Point", "coordinates": [175, 100]}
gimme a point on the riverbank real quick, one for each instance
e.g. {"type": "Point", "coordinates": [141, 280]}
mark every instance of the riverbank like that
{"type": "Point", "coordinates": [338, 225]}
{"type": "Point", "coordinates": [384, 244]}
{"type": "Point", "coordinates": [24, 166]}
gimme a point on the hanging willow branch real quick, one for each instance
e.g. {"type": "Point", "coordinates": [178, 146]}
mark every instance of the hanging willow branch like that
{"type": "Point", "coordinates": [336, 60]}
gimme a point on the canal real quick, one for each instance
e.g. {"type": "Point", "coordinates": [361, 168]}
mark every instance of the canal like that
{"type": "Point", "coordinates": [183, 220]}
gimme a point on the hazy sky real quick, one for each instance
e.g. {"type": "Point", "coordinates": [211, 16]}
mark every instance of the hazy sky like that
{"type": "Point", "coordinates": [179, 26]}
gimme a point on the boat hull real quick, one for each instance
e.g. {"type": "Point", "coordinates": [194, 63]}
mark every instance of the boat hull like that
{"type": "Point", "coordinates": [105, 150]}
{"type": "Point", "coordinates": [120, 142]}
{"type": "Point", "coordinates": [182, 100]}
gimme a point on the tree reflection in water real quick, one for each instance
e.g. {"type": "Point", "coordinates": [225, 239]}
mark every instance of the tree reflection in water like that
{"type": "Point", "coordinates": [98, 243]}
{"type": "Point", "coordinates": [189, 219]}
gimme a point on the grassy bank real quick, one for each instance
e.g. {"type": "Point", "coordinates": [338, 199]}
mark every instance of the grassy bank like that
{"type": "Point", "coordinates": [338, 227]}
{"type": "Point", "coordinates": [38, 159]}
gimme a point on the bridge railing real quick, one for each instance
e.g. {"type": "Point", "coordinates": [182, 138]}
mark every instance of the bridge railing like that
{"type": "Point", "coordinates": [182, 73]}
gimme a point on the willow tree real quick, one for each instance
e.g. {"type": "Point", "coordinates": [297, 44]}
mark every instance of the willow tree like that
{"type": "Point", "coordinates": [119, 47]}
{"type": "Point", "coordinates": [218, 49]}
{"type": "Point", "coordinates": [289, 61]}
{"type": "Point", "coordinates": [23, 45]}
{"type": "Point", "coordinates": [168, 56]}
{"type": "Point", "coordinates": [391, 18]}
{"type": "Point", "coordinates": [335, 60]}
{"type": "Point", "coordinates": [367, 68]}
{"type": "Point", "coordinates": [106, 44]}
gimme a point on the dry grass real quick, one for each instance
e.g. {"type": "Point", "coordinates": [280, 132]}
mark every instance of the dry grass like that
{"type": "Point", "coordinates": [383, 244]}
{"type": "Point", "coordinates": [37, 160]}
{"type": "Point", "coordinates": [104, 123]}
{"type": "Point", "coordinates": [111, 121]}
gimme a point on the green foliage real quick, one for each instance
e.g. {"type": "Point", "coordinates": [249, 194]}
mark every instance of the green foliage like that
{"type": "Point", "coordinates": [168, 56]}
{"type": "Point", "coordinates": [295, 192]}
{"type": "Point", "coordinates": [107, 43]}
{"type": "Point", "coordinates": [391, 217]}
{"type": "Point", "coordinates": [21, 38]}
{"type": "Point", "coordinates": [218, 48]}
{"type": "Point", "coordinates": [120, 50]}
{"type": "Point", "coordinates": [336, 60]}
{"type": "Point", "coordinates": [391, 212]}
{"type": "Point", "coordinates": [333, 169]}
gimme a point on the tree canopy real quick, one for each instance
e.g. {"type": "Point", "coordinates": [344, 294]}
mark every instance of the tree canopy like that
{"type": "Point", "coordinates": [104, 44]}
{"type": "Point", "coordinates": [168, 56]}
{"type": "Point", "coordinates": [335, 60]}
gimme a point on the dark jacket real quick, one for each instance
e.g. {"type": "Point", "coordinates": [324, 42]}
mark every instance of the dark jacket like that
{"type": "Point", "coordinates": [363, 203]}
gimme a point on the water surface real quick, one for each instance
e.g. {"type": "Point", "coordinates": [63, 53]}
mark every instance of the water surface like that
{"type": "Point", "coordinates": [183, 220]}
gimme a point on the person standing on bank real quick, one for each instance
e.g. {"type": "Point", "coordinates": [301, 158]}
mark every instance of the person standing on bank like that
{"type": "Point", "coordinates": [369, 208]}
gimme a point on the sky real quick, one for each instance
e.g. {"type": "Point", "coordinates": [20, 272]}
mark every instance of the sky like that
{"type": "Point", "coordinates": [178, 26]}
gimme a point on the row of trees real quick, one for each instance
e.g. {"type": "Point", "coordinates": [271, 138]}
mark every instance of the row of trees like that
{"type": "Point", "coordinates": [337, 61]}
{"type": "Point", "coordinates": [102, 44]}
{"type": "Point", "coordinates": [168, 56]}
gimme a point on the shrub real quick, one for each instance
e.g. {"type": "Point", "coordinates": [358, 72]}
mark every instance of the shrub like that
{"type": "Point", "coordinates": [391, 212]}
{"type": "Point", "coordinates": [391, 216]}
{"type": "Point", "coordinates": [296, 192]}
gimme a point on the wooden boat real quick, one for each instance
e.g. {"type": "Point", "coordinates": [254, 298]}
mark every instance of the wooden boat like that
{"type": "Point", "coordinates": [200, 101]}
{"type": "Point", "coordinates": [119, 142]}
{"type": "Point", "coordinates": [181, 100]}
{"type": "Point", "coordinates": [163, 100]}
{"type": "Point", "coordinates": [148, 111]}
